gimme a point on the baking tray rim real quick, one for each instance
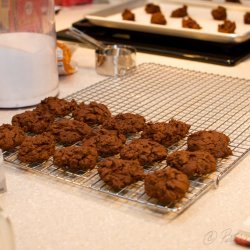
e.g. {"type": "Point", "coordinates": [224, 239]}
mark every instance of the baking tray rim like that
{"type": "Point", "coordinates": [99, 18]}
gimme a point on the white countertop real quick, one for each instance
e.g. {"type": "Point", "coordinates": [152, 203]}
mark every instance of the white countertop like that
{"type": "Point", "coordinates": [49, 215]}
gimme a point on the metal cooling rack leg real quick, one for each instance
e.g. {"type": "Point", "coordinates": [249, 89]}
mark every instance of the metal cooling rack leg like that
{"type": "Point", "coordinates": [217, 181]}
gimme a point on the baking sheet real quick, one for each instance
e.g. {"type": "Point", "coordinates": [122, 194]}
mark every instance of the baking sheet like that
{"type": "Point", "coordinates": [198, 10]}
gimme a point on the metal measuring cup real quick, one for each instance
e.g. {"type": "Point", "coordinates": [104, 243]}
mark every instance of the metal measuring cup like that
{"type": "Point", "coordinates": [111, 60]}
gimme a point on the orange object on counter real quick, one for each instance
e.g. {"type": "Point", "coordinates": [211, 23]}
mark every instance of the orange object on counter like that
{"type": "Point", "coordinates": [64, 56]}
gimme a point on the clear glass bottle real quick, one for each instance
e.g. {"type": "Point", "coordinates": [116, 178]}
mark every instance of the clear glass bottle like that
{"type": "Point", "coordinates": [28, 67]}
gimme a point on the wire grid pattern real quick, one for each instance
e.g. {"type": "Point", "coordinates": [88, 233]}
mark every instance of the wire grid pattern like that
{"type": "Point", "coordinates": [159, 93]}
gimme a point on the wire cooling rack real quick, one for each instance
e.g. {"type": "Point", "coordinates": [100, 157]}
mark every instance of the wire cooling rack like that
{"type": "Point", "coordinates": [159, 93]}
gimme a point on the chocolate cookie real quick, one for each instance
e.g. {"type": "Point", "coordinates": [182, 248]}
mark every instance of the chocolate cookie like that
{"type": "Point", "coordinates": [227, 27]}
{"type": "Point", "coordinates": [180, 12]}
{"type": "Point", "coordinates": [158, 18]}
{"type": "Point", "coordinates": [220, 13]}
{"type": "Point", "coordinates": [151, 8]}
{"type": "Point", "coordinates": [37, 148]}
{"type": "Point", "coordinates": [69, 131]}
{"type": "Point", "coordinates": [74, 158]}
{"type": "Point", "coordinates": [128, 15]}
{"type": "Point", "coordinates": [107, 142]}
{"type": "Point", "coordinates": [195, 163]}
{"type": "Point", "coordinates": [92, 113]}
{"type": "Point", "coordinates": [216, 143]}
{"type": "Point", "coordinates": [57, 107]}
{"type": "Point", "coordinates": [188, 22]}
{"type": "Point", "coordinates": [35, 121]}
{"type": "Point", "coordinates": [125, 123]}
{"type": "Point", "coordinates": [166, 133]}
{"type": "Point", "coordinates": [166, 185]}
{"type": "Point", "coordinates": [118, 173]}
{"type": "Point", "coordinates": [10, 136]}
{"type": "Point", "coordinates": [247, 18]}
{"type": "Point", "coordinates": [145, 151]}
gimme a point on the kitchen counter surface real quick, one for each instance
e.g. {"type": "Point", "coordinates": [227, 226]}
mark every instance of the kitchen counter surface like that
{"type": "Point", "coordinates": [50, 215]}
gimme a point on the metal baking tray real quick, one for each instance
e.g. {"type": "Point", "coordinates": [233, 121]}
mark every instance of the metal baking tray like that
{"type": "Point", "coordinates": [158, 92]}
{"type": "Point", "coordinates": [198, 10]}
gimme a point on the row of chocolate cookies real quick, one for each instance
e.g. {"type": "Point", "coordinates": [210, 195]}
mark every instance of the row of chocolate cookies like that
{"type": "Point", "coordinates": [52, 108]}
{"type": "Point", "coordinates": [67, 131]}
{"type": "Point", "coordinates": [84, 156]}
{"type": "Point", "coordinates": [158, 17]}
{"type": "Point", "coordinates": [136, 155]}
{"type": "Point", "coordinates": [165, 185]}
{"type": "Point", "coordinates": [171, 184]}
{"type": "Point", "coordinates": [102, 142]}
{"type": "Point", "coordinates": [220, 13]}
{"type": "Point", "coordinates": [187, 22]}
{"type": "Point", "coordinates": [45, 126]}
{"type": "Point", "coordinates": [49, 116]}
{"type": "Point", "coordinates": [203, 148]}
{"type": "Point", "coordinates": [41, 127]}
{"type": "Point", "coordinates": [139, 153]}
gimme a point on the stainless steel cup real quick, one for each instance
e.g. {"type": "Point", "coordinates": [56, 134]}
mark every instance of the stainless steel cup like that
{"type": "Point", "coordinates": [111, 60]}
{"type": "Point", "coordinates": [115, 60]}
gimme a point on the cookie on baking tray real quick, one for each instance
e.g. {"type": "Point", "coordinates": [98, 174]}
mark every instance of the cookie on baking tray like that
{"type": "Point", "coordinates": [166, 185]}
{"type": "Point", "coordinates": [107, 142]}
{"type": "Point", "coordinates": [35, 121]}
{"type": "Point", "coordinates": [92, 113]}
{"type": "Point", "coordinates": [216, 143]}
{"type": "Point", "coordinates": [118, 173]}
{"type": "Point", "coordinates": [128, 15]}
{"type": "Point", "coordinates": [10, 136]}
{"type": "Point", "coordinates": [195, 163]}
{"type": "Point", "coordinates": [158, 18]}
{"type": "Point", "coordinates": [151, 8]}
{"type": "Point", "coordinates": [36, 149]}
{"type": "Point", "coordinates": [76, 158]}
{"type": "Point", "coordinates": [220, 13]}
{"type": "Point", "coordinates": [166, 133]}
{"type": "Point", "coordinates": [69, 131]}
{"type": "Point", "coordinates": [180, 12]}
{"type": "Point", "coordinates": [56, 106]}
{"type": "Point", "coordinates": [125, 123]}
{"type": "Point", "coordinates": [190, 23]}
{"type": "Point", "coordinates": [146, 151]}
{"type": "Point", "coordinates": [247, 18]}
{"type": "Point", "coordinates": [227, 27]}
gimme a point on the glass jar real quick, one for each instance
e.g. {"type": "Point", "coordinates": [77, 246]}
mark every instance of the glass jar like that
{"type": "Point", "coordinates": [28, 67]}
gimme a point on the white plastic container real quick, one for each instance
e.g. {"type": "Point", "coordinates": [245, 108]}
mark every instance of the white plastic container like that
{"type": "Point", "coordinates": [6, 232]}
{"type": "Point", "coordinates": [28, 66]}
